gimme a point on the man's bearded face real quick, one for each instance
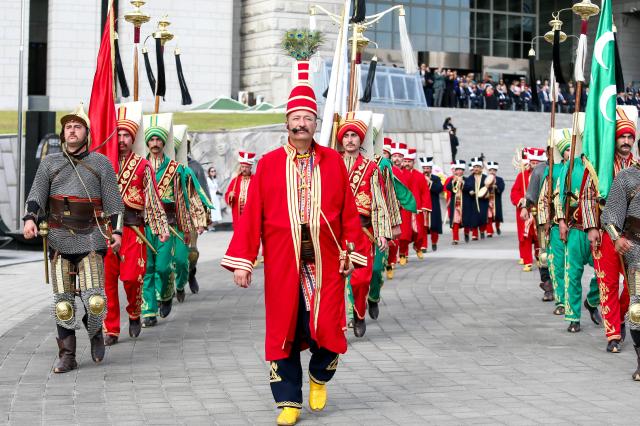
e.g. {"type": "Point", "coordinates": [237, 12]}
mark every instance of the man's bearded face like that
{"type": "Point", "coordinates": [125, 141]}
{"type": "Point", "coordinates": [624, 144]}
{"type": "Point", "coordinates": [75, 135]}
{"type": "Point", "coordinates": [245, 169]}
{"type": "Point", "coordinates": [351, 142]}
{"type": "Point", "coordinates": [156, 145]}
{"type": "Point", "coordinates": [397, 159]}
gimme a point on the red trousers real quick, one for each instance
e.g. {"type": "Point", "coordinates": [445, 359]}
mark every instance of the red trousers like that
{"type": "Point", "coordinates": [430, 234]}
{"type": "Point", "coordinates": [393, 252]}
{"type": "Point", "coordinates": [474, 232]}
{"type": "Point", "coordinates": [130, 269]}
{"type": "Point", "coordinates": [615, 305]}
{"type": "Point", "coordinates": [490, 223]}
{"type": "Point", "coordinates": [360, 281]}
{"type": "Point", "coordinates": [455, 232]}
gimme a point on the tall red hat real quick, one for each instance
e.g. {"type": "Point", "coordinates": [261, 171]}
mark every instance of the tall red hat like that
{"type": "Point", "coordinates": [302, 97]}
{"type": "Point", "coordinates": [398, 148]}
{"type": "Point", "coordinates": [247, 158]}
{"type": "Point", "coordinates": [411, 154]}
{"type": "Point", "coordinates": [535, 154]}
{"type": "Point", "coordinates": [387, 145]}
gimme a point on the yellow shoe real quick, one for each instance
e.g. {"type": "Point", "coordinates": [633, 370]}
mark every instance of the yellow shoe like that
{"type": "Point", "coordinates": [389, 274]}
{"type": "Point", "coordinates": [527, 268]}
{"type": "Point", "coordinates": [419, 254]}
{"type": "Point", "coordinates": [520, 262]}
{"type": "Point", "coordinates": [317, 396]}
{"type": "Point", "coordinates": [403, 260]}
{"type": "Point", "coordinates": [288, 416]}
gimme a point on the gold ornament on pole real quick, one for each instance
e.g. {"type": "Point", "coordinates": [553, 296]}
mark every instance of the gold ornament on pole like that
{"type": "Point", "coordinates": [585, 9]}
{"type": "Point", "coordinates": [556, 24]}
{"type": "Point", "coordinates": [137, 18]}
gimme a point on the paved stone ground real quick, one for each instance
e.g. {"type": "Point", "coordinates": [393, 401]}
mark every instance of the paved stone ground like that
{"type": "Point", "coordinates": [462, 339]}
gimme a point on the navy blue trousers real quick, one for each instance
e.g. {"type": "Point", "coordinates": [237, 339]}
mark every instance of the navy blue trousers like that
{"type": "Point", "coordinates": [286, 374]}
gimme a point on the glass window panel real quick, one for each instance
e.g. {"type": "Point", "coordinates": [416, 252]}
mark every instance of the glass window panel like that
{"type": "Point", "coordinates": [515, 5]}
{"type": "Point", "coordinates": [465, 26]}
{"type": "Point", "coordinates": [528, 25]}
{"type": "Point", "coordinates": [435, 2]}
{"type": "Point", "coordinates": [434, 43]}
{"type": "Point", "coordinates": [419, 42]}
{"type": "Point", "coordinates": [515, 28]}
{"type": "Point", "coordinates": [434, 21]}
{"type": "Point", "coordinates": [499, 26]}
{"type": "Point", "coordinates": [514, 50]}
{"type": "Point", "coordinates": [528, 6]}
{"type": "Point", "coordinates": [397, 83]}
{"type": "Point", "coordinates": [386, 23]}
{"type": "Point", "coordinates": [499, 48]}
{"type": "Point", "coordinates": [418, 20]}
{"type": "Point", "coordinates": [483, 25]}
{"type": "Point", "coordinates": [483, 47]}
{"type": "Point", "coordinates": [451, 44]}
{"type": "Point", "coordinates": [383, 40]}
{"type": "Point", "coordinates": [465, 45]}
{"type": "Point", "coordinates": [483, 4]}
{"type": "Point", "coordinates": [451, 22]}
{"type": "Point", "coordinates": [452, 3]}
{"type": "Point", "coordinates": [472, 24]}
{"type": "Point", "coordinates": [500, 5]}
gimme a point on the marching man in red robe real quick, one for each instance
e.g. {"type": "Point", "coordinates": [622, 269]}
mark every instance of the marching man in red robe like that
{"type": "Point", "coordinates": [137, 185]}
{"type": "Point", "coordinates": [236, 195]}
{"type": "Point", "coordinates": [413, 224]}
{"type": "Point", "coordinates": [527, 238]}
{"type": "Point", "coordinates": [301, 207]}
{"type": "Point", "coordinates": [367, 188]}
{"type": "Point", "coordinates": [397, 151]}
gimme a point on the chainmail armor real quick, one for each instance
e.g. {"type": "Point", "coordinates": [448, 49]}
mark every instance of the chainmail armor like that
{"type": "Point", "coordinates": [56, 176]}
{"type": "Point", "coordinates": [71, 324]}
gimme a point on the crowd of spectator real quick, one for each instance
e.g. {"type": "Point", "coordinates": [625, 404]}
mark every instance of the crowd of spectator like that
{"type": "Point", "coordinates": [446, 88]}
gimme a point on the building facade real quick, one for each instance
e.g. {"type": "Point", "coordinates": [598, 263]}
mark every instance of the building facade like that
{"type": "Point", "coordinates": [233, 45]}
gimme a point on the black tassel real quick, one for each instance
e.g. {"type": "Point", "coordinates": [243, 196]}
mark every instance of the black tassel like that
{"type": "Point", "coordinates": [325, 93]}
{"type": "Point", "coordinates": [619, 75]}
{"type": "Point", "coordinates": [184, 90]}
{"type": "Point", "coordinates": [162, 85]}
{"type": "Point", "coordinates": [371, 76]}
{"type": "Point", "coordinates": [122, 79]}
{"type": "Point", "coordinates": [532, 83]}
{"type": "Point", "coordinates": [147, 66]}
{"type": "Point", "coordinates": [557, 69]}
{"type": "Point", "coordinates": [359, 11]}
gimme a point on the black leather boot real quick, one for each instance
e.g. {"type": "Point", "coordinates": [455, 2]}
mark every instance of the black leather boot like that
{"type": "Point", "coordinates": [110, 340]}
{"type": "Point", "coordinates": [374, 310]}
{"type": "Point", "coordinates": [180, 295]}
{"type": "Point", "coordinates": [97, 347]}
{"type": "Point", "coordinates": [134, 327]}
{"type": "Point", "coordinates": [593, 313]}
{"type": "Point", "coordinates": [574, 327]}
{"type": "Point", "coordinates": [636, 375]}
{"type": "Point", "coordinates": [165, 308]}
{"type": "Point", "coordinates": [359, 326]}
{"type": "Point", "coordinates": [66, 355]}
{"type": "Point", "coordinates": [193, 282]}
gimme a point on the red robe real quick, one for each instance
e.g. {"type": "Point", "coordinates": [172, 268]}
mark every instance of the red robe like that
{"type": "Point", "coordinates": [272, 212]}
{"type": "Point", "coordinates": [518, 192]}
{"type": "Point", "coordinates": [240, 195]}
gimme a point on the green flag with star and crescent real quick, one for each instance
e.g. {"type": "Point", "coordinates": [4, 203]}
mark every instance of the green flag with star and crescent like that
{"type": "Point", "coordinates": [600, 115]}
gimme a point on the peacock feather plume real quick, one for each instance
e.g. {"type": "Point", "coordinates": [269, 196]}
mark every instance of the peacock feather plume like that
{"type": "Point", "coordinates": [301, 44]}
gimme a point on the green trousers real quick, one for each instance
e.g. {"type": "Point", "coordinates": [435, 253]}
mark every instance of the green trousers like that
{"type": "Point", "coordinates": [555, 259]}
{"type": "Point", "coordinates": [159, 277]}
{"type": "Point", "coordinates": [181, 263]}
{"type": "Point", "coordinates": [578, 254]}
{"type": "Point", "coordinates": [377, 280]}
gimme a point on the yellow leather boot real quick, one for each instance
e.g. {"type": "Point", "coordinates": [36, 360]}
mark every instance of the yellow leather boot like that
{"type": "Point", "coordinates": [288, 416]}
{"type": "Point", "coordinates": [317, 396]}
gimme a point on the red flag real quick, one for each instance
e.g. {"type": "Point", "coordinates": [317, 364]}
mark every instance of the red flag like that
{"type": "Point", "coordinates": [102, 110]}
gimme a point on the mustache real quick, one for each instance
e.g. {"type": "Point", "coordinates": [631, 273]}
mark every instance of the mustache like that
{"type": "Point", "coordinates": [300, 129]}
